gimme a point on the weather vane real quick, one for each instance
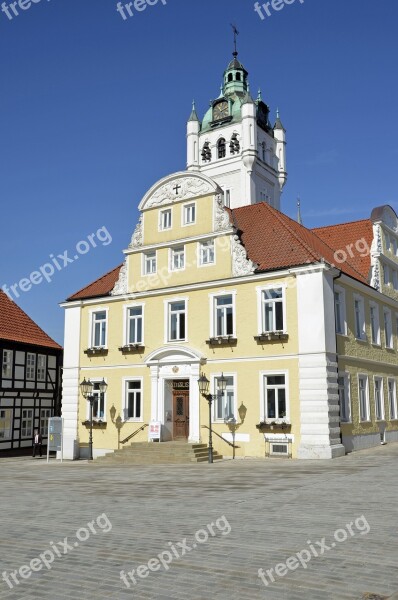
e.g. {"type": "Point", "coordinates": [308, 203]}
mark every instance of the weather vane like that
{"type": "Point", "coordinates": [236, 33]}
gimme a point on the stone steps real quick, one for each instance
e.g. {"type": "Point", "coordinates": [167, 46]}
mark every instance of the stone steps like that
{"type": "Point", "coordinates": [147, 453]}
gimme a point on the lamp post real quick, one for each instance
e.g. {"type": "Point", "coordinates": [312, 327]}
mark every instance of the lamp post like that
{"type": "Point", "coordinates": [204, 384]}
{"type": "Point", "coordinates": [86, 388]}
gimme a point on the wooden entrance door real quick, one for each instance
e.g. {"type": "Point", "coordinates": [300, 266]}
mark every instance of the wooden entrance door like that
{"type": "Point", "coordinates": [180, 414]}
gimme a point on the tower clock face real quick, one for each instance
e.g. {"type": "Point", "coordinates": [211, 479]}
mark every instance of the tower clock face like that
{"type": "Point", "coordinates": [220, 111]}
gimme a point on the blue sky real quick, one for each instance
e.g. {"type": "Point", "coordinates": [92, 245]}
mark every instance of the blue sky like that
{"type": "Point", "coordinates": [94, 110]}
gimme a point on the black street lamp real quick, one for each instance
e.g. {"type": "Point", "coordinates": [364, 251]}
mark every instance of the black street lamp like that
{"type": "Point", "coordinates": [204, 385]}
{"type": "Point", "coordinates": [86, 388]}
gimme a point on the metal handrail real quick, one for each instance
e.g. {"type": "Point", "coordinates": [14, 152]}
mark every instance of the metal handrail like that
{"type": "Point", "coordinates": [127, 439]}
{"type": "Point", "coordinates": [221, 438]}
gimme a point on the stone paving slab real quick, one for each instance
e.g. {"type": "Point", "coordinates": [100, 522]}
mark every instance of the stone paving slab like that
{"type": "Point", "coordinates": [262, 511]}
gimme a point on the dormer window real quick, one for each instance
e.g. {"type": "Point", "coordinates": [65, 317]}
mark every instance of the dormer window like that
{"type": "Point", "coordinates": [221, 148]}
{"type": "Point", "coordinates": [206, 152]}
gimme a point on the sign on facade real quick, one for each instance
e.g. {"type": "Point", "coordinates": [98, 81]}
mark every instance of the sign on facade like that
{"type": "Point", "coordinates": [55, 436]}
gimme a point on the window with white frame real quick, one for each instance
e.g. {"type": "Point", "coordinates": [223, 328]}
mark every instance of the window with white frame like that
{"type": "Point", "coordinates": [30, 366]}
{"type": "Point", "coordinates": [339, 309]}
{"type": "Point", "coordinates": [135, 325]}
{"type": "Point", "coordinates": [150, 263]}
{"type": "Point", "coordinates": [379, 398]}
{"type": "Point", "coordinates": [133, 403]}
{"type": "Point", "coordinates": [206, 253]}
{"type": "Point", "coordinates": [98, 338]}
{"type": "Point", "coordinates": [224, 315]}
{"type": "Point", "coordinates": [394, 246]}
{"type": "Point", "coordinates": [99, 402]}
{"type": "Point", "coordinates": [27, 423]}
{"type": "Point", "coordinates": [275, 396]}
{"type": "Point", "coordinates": [6, 369]}
{"type": "Point", "coordinates": [189, 214]}
{"type": "Point", "coordinates": [374, 323]}
{"type": "Point", "coordinates": [177, 258]}
{"type": "Point", "coordinates": [387, 328]}
{"type": "Point", "coordinates": [344, 397]}
{"type": "Point", "coordinates": [45, 414]}
{"type": "Point", "coordinates": [363, 396]}
{"type": "Point", "coordinates": [387, 241]}
{"type": "Point", "coordinates": [395, 280]}
{"type": "Point", "coordinates": [272, 310]}
{"type": "Point", "coordinates": [177, 320]}
{"type": "Point", "coordinates": [165, 219]}
{"type": "Point", "coordinates": [386, 272]}
{"type": "Point", "coordinates": [41, 367]}
{"type": "Point", "coordinates": [227, 198]}
{"type": "Point", "coordinates": [359, 315]}
{"type": "Point", "coordinates": [225, 403]}
{"type": "Point", "coordinates": [392, 399]}
{"type": "Point", "coordinates": [5, 424]}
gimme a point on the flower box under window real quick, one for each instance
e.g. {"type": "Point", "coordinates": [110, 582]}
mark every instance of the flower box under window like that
{"type": "Point", "coordinates": [100, 351]}
{"type": "Point", "coordinates": [97, 423]}
{"type": "Point", "coordinates": [131, 348]}
{"type": "Point", "coordinates": [222, 340]}
{"type": "Point", "coordinates": [274, 425]}
{"type": "Point", "coordinates": [271, 336]}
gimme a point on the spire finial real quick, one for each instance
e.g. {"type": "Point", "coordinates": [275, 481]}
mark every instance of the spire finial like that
{"type": "Point", "coordinates": [277, 113]}
{"type": "Point", "coordinates": [236, 33]}
{"type": "Point", "coordinates": [259, 96]}
{"type": "Point", "coordinates": [299, 219]}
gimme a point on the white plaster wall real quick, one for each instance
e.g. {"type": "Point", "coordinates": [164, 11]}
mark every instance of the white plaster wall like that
{"type": "Point", "coordinates": [70, 381]}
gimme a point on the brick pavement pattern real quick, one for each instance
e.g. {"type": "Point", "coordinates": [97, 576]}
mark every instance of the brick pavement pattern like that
{"type": "Point", "coordinates": [274, 508]}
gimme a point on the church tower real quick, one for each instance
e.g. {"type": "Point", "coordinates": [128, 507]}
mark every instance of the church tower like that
{"type": "Point", "coordinates": [236, 145]}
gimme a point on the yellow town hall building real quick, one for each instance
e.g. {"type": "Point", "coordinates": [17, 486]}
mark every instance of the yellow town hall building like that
{"type": "Point", "coordinates": [301, 325]}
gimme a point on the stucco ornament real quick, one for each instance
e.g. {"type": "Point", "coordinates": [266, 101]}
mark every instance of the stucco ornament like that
{"type": "Point", "coordinates": [183, 188]}
{"type": "Point", "coordinates": [241, 265]}
{"type": "Point", "coordinates": [121, 286]}
{"type": "Point", "coordinates": [137, 238]}
{"type": "Point", "coordinates": [376, 282]}
{"type": "Point", "coordinates": [221, 217]}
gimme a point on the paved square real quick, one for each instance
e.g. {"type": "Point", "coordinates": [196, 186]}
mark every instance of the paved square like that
{"type": "Point", "coordinates": [275, 509]}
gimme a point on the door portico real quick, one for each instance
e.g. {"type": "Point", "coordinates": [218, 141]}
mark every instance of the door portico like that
{"type": "Point", "coordinates": [168, 364]}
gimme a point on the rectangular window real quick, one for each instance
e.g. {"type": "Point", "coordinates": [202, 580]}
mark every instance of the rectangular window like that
{"type": "Point", "coordinates": [41, 367]}
{"type": "Point", "coordinates": [45, 414]}
{"type": "Point", "coordinates": [387, 241]}
{"type": "Point", "coordinates": [27, 423]}
{"type": "Point", "coordinates": [206, 253]}
{"type": "Point", "coordinates": [99, 402]}
{"type": "Point", "coordinates": [374, 323]}
{"type": "Point", "coordinates": [30, 366]}
{"type": "Point", "coordinates": [177, 258]}
{"type": "Point", "coordinates": [392, 399]}
{"type": "Point", "coordinates": [133, 400]}
{"type": "Point", "coordinates": [339, 310]}
{"type": "Point", "coordinates": [99, 329]}
{"type": "Point", "coordinates": [387, 328]}
{"type": "Point", "coordinates": [135, 325]}
{"type": "Point", "coordinates": [275, 396]}
{"type": "Point", "coordinates": [5, 424]}
{"type": "Point", "coordinates": [272, 311]}
{"type": "Point", "coordinates": [189, 214]}
{"type": "Point", "coordinates": [395, 280]}
{"type": "Point", "coordinates": [227, 198]}
{"type": "Point", "coordinates": [394, 246]}
{"type": "Point", "coordinates": [386, 272]}
{"type": "Point", "coordinates": [6, 369]}
{"type": "Point", "coordinates": [225, 404]}
{"type": "Point", "coordinates": [165, 219]}
{"type": "Point", "coordinates": [177, 321]}
{"type": "Point", "coordinates": [344, 397]}
{"type": "Point", "coordinates": [150, 263]}
{"type": "Point", "coordinates": [224, 314]}
{"type": "Point", "coordinates": [379, 399]}
{"type": "Point", "coordinates": [363, 394]}
{"type": "Point", "coordinates": [359, 314]}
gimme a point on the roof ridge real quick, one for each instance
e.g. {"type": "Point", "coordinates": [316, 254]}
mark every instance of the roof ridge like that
{"type": "Point", "coordinates": [341, 224]}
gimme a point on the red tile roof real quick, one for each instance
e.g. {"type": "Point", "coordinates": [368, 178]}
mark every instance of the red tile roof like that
{"type": "Point", "coordinates": [100, 287]}
{"type": "Point", "coordinates": [351, 239]}
{"type": "Point", "coordinates": [274, 241]}
{"type": "Point", "coordinates": [16, 326]}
